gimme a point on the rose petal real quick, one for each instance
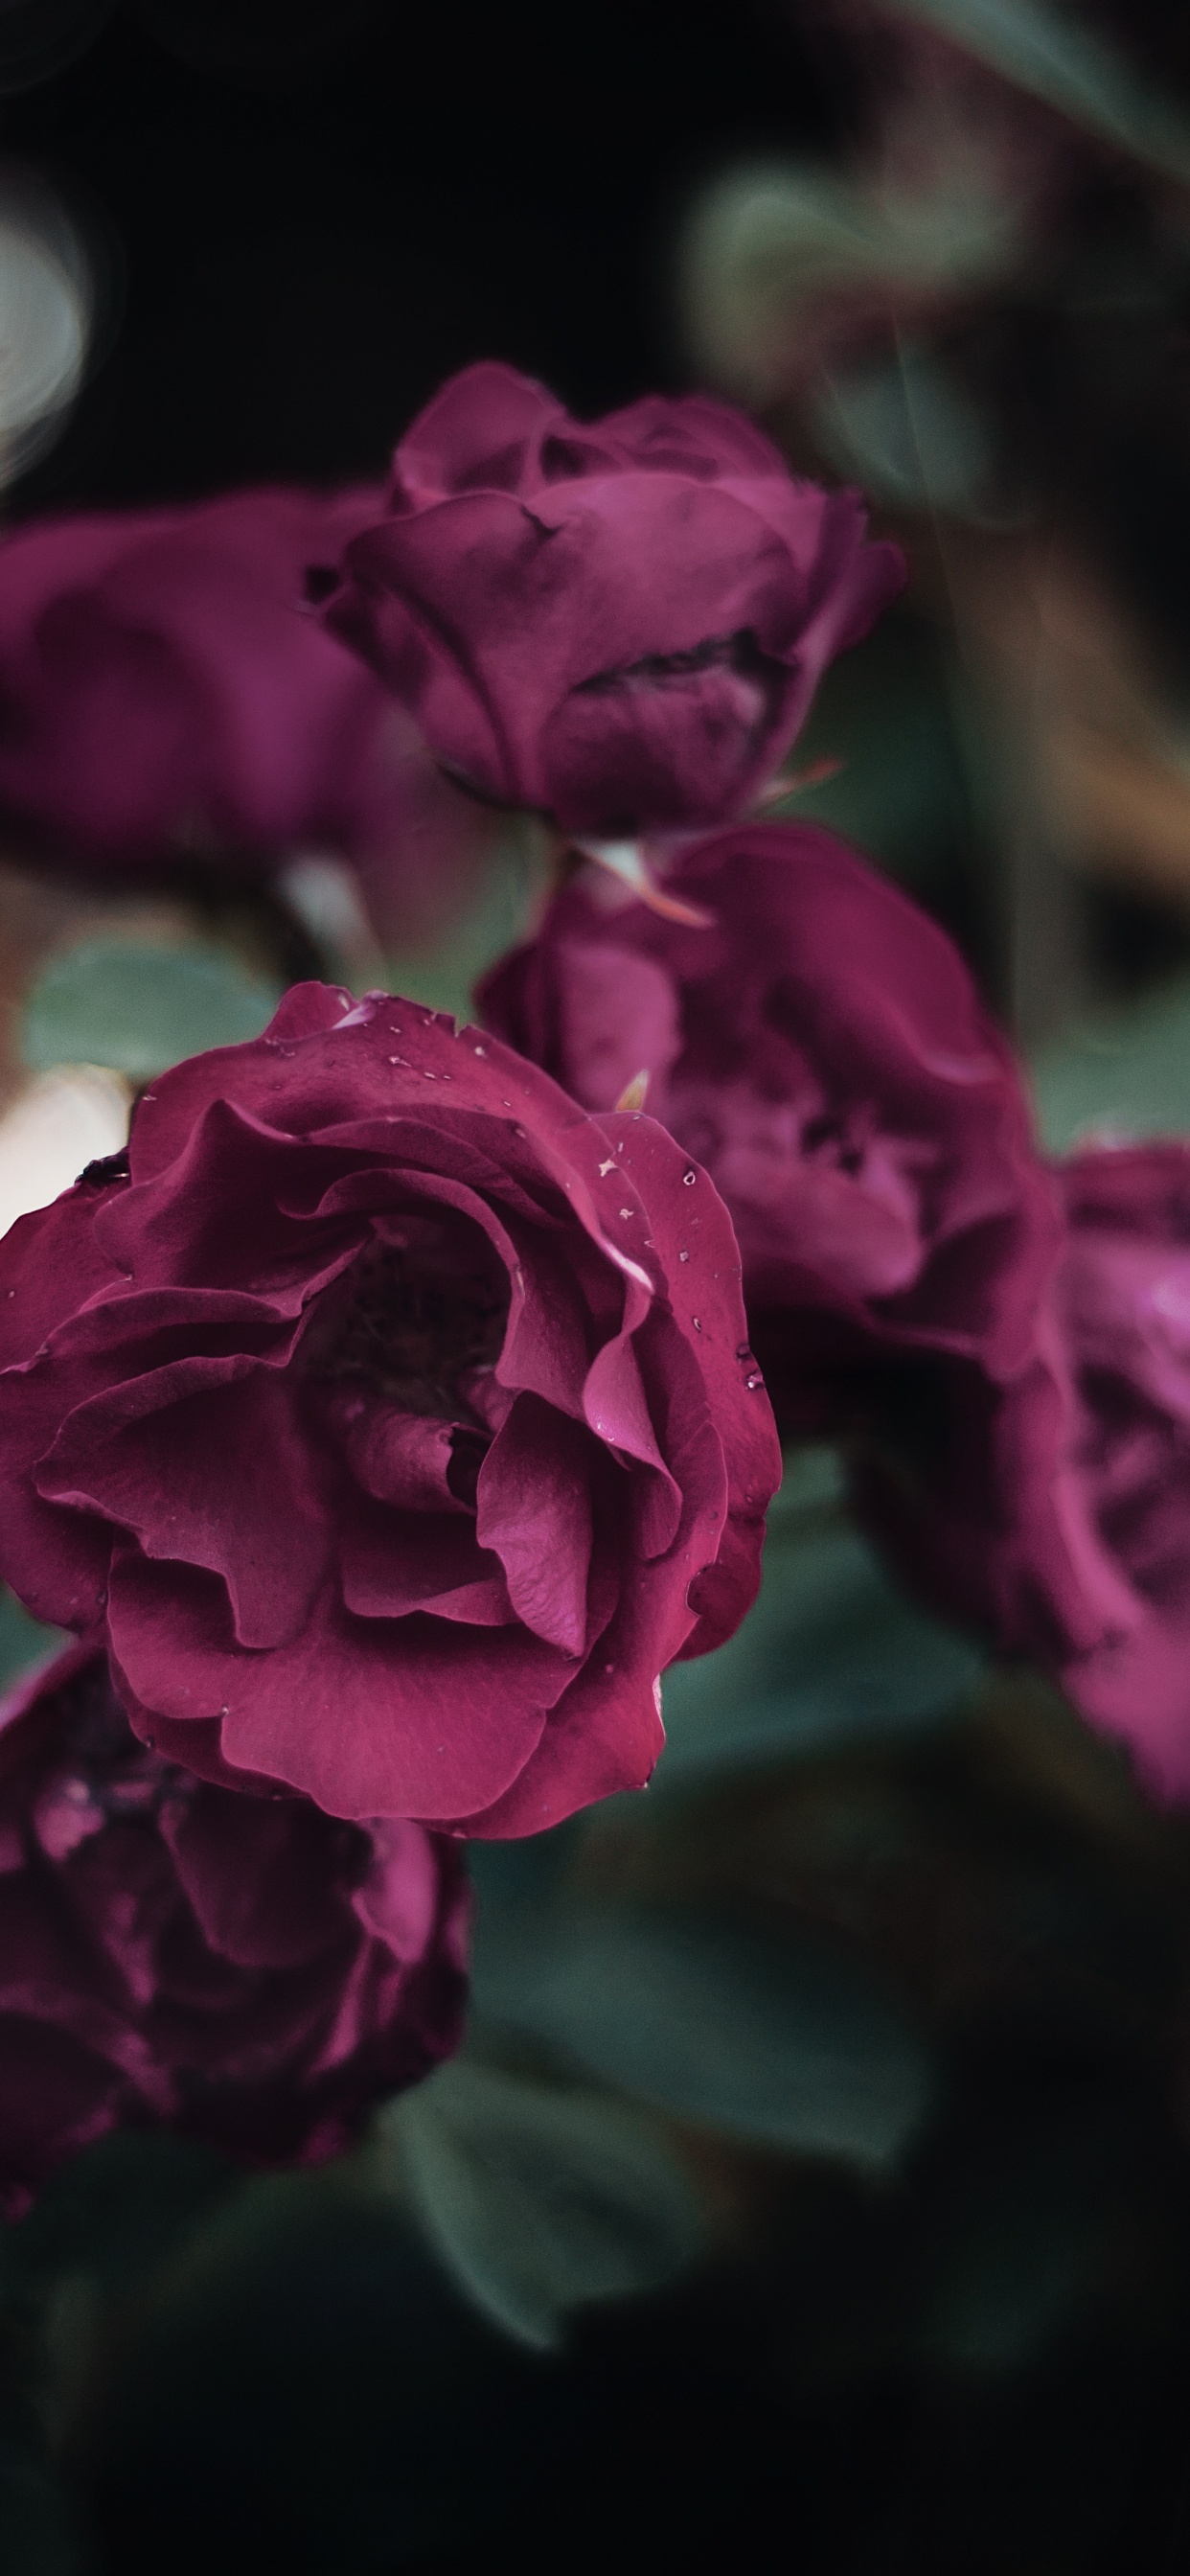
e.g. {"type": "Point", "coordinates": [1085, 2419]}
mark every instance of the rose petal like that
{"type": "Point", "coordinates": [192, 1464]}
{"type": "Point", "coordinates": [367, 1716]}
{"type": "Point", "coordinates": [534, 1511]}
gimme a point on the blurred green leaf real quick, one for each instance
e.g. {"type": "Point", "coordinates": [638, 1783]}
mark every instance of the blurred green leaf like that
{"type": "Point", "coordinates": [1125, 1073]}
{"type": "Point", "coordinates": [140, 1008]}
{"type": "Point", "coordinates": [779, 2041]}
{"type": "Point", "coordinates": [537, 2200]}
{"type": "Point", "coordinates": [905, 426]}
{"type": "Point", "coordinates": [831, 1654]}
{"type": "Point", "coordinates": [444, 976]}
{"type": "Point", "coordinates": [24, 1642]}
{"type": "Point", "coordinates": [884, 710]}
{"type": "Point", "coordinates": [1070, 65]}
{"type": "Point", "coordinates": [768, 238]}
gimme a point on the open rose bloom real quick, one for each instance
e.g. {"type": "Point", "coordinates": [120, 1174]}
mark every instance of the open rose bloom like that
{"type": "Point", "coordinates": [245, 1970]}
{"type": "Point", "coordinates": [396, 1416]}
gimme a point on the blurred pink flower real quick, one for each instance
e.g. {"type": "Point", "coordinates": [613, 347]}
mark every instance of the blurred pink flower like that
{"type": "Point", "coordinates": [822, 1050]}
{"type": "Point", "coordinates": [1057, 1510]}
{"type": "Point", "coordinates": [173, 1954]}
{"type": "Point", "coordinates": [166, 695]}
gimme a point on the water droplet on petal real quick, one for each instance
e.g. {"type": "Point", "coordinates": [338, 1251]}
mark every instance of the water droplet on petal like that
{"type": "Point", "coordinates": [481, 1050]}
{"type": "Point", "coordinates": [689, 1178]}
{"type": "Point", "coordinates": [683, 1256]}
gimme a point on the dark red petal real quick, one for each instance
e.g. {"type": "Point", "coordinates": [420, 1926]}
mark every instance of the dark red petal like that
{"type": "Point", "coordinates": [367, 1716]}
{"type": "Point", "coordinates": [534, 1511]}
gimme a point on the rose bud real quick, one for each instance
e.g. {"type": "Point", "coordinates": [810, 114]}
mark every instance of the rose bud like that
{"type": "Point", "coordinates": [245, 1970]}
{"type": "Point", "coordinates": [166, 696]}
{"type": "Point", "coordinates": [398, 1418]}
{"type": "Point", "coordinates": [621, 625]}
{"type": "Point", "coordinates": [1057, 1511]}
{"type": "Point", "coordinates": [820, 1047]}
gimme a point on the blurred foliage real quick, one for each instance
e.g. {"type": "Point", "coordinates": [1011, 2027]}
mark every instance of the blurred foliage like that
{"type": "Point", "coordinates": [775, 2041]}
{"type": "Point", "coordinates": [831, 1654]}
{"type": "Point", "coordinates": [1120, 1074]}
{"type": "Point", "coordinates": [516, 879]}
{"type": "Point", "coordinates": [24, 1642]}
{"type": "Point", "coordinates": [139, 1008]}
{"type": "Point", "coordinates": [905, 427]}
{"type": "Point", "coordinates": [539, 2199]}
{"type": "Point", "coordinates": [882, 714]}
{"type": "Point", "coordinates": [1058, 57]}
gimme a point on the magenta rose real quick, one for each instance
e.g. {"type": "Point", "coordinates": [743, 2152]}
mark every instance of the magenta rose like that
{"type": "Point", "coordinates": [820, 1047]}
{"type": "Point", "coordinates": [1058, 1510]}
{"type": "Point", "coordinates": [621, 626]}
{"type": "Point", "coordinates": [397, 1417]}
{"type": "Point", "coordinates": [246, 1970]}
{"type": "Point", "coordinates": [166, 694]}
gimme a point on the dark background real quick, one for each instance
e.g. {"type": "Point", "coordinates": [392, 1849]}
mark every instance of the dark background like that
{"type": "Point", "coordinates": [305, 216]}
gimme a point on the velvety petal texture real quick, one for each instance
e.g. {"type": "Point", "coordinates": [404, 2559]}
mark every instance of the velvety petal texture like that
{"type": "Point", "coordinates": [173, 1954]}
{"type": "Point", "coordinates": [620, 625]}
{"type": "Point", "coordinates": [1057, 1510]}
{"type": "Point", "coordinates": [167, 695]}
{"type": "Point", "coordinates": [395, 1416]}
{"type": "Point", "coordinates": [820, 1048]}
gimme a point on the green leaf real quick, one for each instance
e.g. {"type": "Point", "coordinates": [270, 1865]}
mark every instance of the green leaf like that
{"type": "Point", "coordinates": [885, 710]}
{"type": "Point", "coordinates": [767, 238]}
{"type": "Point", "coordinates": [24, 1642]}
{"type": "Point", "coordinates": [1124, 1073]}
{"type": "Point", "coordinates": [140, 1008]}
{"type": "Point", "coordinates": [905, 426]}
{"type": "Point", "coordinates": [831, 1654]}
{"type": "Point", "coordinates": [537, 2200]}
{"type": "Point", "coordinates": [443, 977]}
{"type": "Point", "coordinates": [779, 2041]}
{"type": "Point", "coordinates": [1069, 65]}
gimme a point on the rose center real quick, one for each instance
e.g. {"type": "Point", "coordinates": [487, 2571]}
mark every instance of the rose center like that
{"type": "Point", "coordinates": [420, 1313]}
